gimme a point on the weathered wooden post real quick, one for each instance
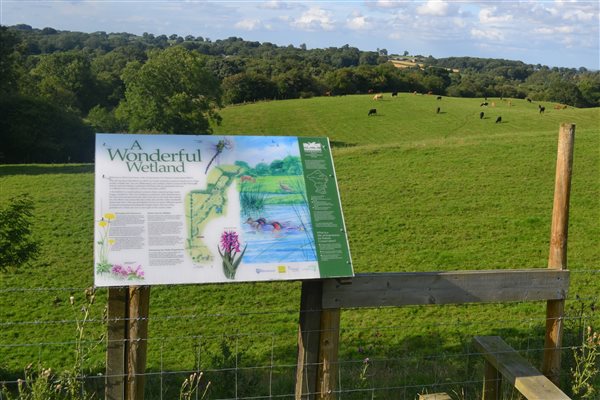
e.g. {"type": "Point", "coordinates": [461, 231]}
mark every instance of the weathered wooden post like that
{"type": "Point", "coordinates": [558, 250]}
{"type": "Point", "coordinates": [128, 309]}
{"type": "Point", "coordinates": [116, 351]}
{"type": "Point", "coordinates": [139, 303]}
{"type": "Point", "coordinates": [328, 353]}
{"type": "Point", "coordinates": [318, 340]}
{"type": "Point", "coordinates": [309, 332]}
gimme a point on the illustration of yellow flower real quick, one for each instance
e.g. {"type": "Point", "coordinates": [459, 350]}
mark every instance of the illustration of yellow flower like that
{"type": "Point", "coordinates": [104, 243]}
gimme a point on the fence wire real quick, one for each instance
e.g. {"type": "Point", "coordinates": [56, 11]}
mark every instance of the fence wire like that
{"type": "Point", "coordinates": [245, 352]}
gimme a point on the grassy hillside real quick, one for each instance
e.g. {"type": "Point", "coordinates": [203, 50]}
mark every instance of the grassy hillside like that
{"type": "Point", "coordinates": [420, 191]}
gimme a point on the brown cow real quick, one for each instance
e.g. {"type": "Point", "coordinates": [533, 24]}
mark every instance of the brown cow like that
{"type": "Point", "coordinates": [378, 97]}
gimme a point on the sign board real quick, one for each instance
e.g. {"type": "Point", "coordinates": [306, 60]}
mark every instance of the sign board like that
{"type": "Point", "coordinates": [173, 209]}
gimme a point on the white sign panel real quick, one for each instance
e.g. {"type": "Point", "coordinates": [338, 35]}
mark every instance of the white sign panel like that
{"type": "Point", "coordinates": [175, 209]}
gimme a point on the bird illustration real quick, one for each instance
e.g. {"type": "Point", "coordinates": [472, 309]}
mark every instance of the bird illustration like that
{"type": "Point", "coordinates": [285, 187]}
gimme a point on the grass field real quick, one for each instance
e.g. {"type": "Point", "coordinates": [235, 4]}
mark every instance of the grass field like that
{"type": "Point", "coordinates": [421, 191]}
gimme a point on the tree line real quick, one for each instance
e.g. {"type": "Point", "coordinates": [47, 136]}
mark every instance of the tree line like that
{"type": "Point", "coordinates": [58, 87]}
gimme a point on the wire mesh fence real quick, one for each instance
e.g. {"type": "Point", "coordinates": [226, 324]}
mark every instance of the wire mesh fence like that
{"type": "Point", "coordinates": [248, 350]}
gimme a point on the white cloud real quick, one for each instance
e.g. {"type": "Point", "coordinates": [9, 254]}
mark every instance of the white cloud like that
{"type": "Point", "coordinates": [313, 19]}
{"type": "Point", "coordinates": [248, 24]}
{"type": "Point", "coordinates": [387, 3]}
{"type": "Point", "coordinates": [490, 16]}
{"type": "Point", "coordinates": [487, 34]}
{"type": "Point", "coordinates": [358, 22]}
{"type": "Point", "coordinates": [437, 8]}
{"type": "Point", "coordinates": [557, 30]}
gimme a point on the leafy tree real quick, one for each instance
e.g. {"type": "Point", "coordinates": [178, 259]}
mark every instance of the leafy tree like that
{"type": "Point", "coordinates": [8, 74]}
{"type": "Point", "coordinates": [32, 130]}
{"type": "Point", "coordinates": [17, 245]}
{"type": "Point", "coordinates": [173, 92]}
{"type": "Point", "coordinates": [589, 86]}
{"type": "Point", "coordinates": [104, 120]}
{"type": "Point", "coordinates": [245, 87]}
{"type": "Point", "coordinates": [65, 79]}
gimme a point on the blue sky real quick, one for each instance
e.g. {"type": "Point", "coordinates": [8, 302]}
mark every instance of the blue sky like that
{"type": "Point", "coordinates": [550, 32]}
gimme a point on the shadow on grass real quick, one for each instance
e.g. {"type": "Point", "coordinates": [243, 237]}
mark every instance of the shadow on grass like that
{"type": "Point", "coordinates": [45, 169]}
{"type": "Point", "coordinates": [335, 143]}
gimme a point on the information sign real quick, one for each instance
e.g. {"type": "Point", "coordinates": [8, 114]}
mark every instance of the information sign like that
{"type": "Point", "coordinates": [173, 209]}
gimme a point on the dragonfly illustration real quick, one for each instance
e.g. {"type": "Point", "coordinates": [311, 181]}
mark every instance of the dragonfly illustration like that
{"type": "Point", "coordinates": [223, 144]}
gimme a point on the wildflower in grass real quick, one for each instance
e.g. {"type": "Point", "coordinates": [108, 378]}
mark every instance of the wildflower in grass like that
{"type": "Point", "coordinates": [230, 244]}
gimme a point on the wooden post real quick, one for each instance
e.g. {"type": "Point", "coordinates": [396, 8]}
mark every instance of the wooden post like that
{"type": "Point", "coordinates": [491, 382]}
{"type": "Point", "coordinates": [558, 250]}
{"type": "Point", "coordinates": [308, 340]}
{"type": "Point", "coordinates": [139, 304]}
{"type": "Point", "coordinates": [328, 353]}
{"type": "Point", "coordinates": [116, 354]}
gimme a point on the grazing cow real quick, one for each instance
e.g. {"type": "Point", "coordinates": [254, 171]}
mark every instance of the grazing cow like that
{"type": "Point", "coordinates": [378, 97]}
{"type": "Point", "coordinates": [493, 104]}
{"type": "Point", "coordinates": [528, 100]}
{"type": "Point", "coordinates": [372, 111]}
{"type": "Point", "coordinates": [542, 109]}
{"type": "Point", "coordinates": [438, 110]}
{"type": "Point", "coordinates": [394, 94]}
{"type": "Point", "coordinates": [481, 114]}
{"type": "Point", "coordinates": [439, 97]}
{"type": "Point", "coordinates": [483, 104]}
{"type": "Point", "coordinates": [498, 120]}
{"type": "Point", "coordinates": [327, 93]}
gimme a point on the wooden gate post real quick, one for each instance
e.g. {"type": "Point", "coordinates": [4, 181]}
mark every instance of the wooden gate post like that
{"type": "Point", "coordinates": [558, 250]}
{"type": "Point", "coordinates": [318, 339]}
{"type": "Point", "coordinates": [139, 303]}
{"type": "Point", "coordinates": [328, 353]}
{"type": "Point", "coordinates": [116, 350]}
{"type": "Point", "coordinates": [128, 309]}
{"type": "Point", "coordinates": [309, 332]}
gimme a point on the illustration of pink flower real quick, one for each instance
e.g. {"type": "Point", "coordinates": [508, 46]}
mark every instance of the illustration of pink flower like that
{"type": "Point", "coordinates": [127, 273]}
{"type": "Point", "coordinates": [230, 244]}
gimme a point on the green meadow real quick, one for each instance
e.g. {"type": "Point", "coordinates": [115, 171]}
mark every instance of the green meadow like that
{"type": "Point", "coordinates": [420, 190]}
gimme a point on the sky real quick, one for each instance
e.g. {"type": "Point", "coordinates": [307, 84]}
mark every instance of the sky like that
{"type": "Point", "coordinates": [562, 33]}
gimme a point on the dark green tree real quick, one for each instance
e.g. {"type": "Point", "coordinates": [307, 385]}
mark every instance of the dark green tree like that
{"type": "Point", "coordinates": [33, 130]}
{"type": "Point", "coordinates": [173, 92]}
{"type": "Point", "coordinates": [17, 245]}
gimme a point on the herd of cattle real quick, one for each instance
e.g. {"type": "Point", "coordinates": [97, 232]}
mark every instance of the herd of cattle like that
{"type": "Point", "coordinates": [485, 103]}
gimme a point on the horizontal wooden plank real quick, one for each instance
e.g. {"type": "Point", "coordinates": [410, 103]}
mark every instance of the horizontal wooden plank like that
{"type": "Point", "coordinates": [517, 370]}
{"type": "Point", "coordinates": [417, 288]}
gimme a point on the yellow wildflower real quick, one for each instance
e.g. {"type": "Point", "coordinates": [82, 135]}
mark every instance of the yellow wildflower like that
{"type": "Point", "coordinates": [103, 223]}
{"type": "Point", "coordinates": [109, 216]}
{"type": "Point", "coordinates": [111, 241]}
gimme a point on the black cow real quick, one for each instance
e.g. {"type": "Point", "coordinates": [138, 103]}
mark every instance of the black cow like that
{"type": "Point", "coordinates": [438, 110]}
{"type": "Point", "coordinates": [542, 109]}
{"type": "Point", "coordinates": [372, 111]}
{"type": "Point", "coordinates": [439, 97]}
{"type": "Point", "coordinates": [481, 114]}
{"type": "Point", "coordinates": [483, 104]}
{"type": "Point", "coordinates": [528, 100]}
{"type": "Point", "coordinates": [394, 94]}
{"type": "Point", "coordinates": [498, 120]}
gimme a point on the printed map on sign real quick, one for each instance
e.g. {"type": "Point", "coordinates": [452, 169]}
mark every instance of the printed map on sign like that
{"type": "Point", "coordinates": [192, 209]}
